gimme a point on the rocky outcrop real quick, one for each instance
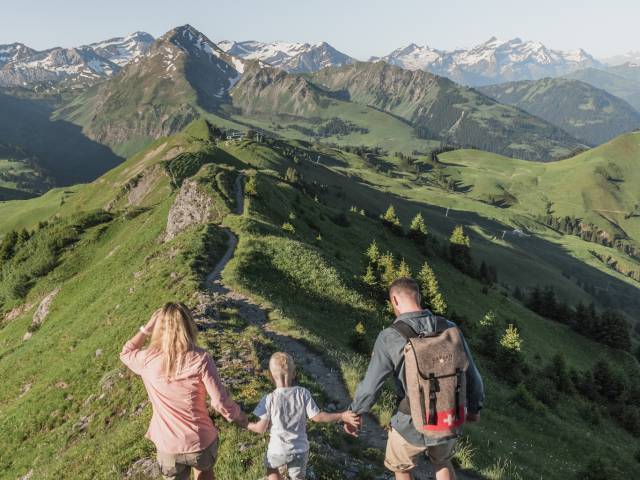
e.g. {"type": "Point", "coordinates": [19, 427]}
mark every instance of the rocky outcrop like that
{"type": "Point", "coordinates": [41, 313]}
{"type": "Point", "coordinates": [191, 207]}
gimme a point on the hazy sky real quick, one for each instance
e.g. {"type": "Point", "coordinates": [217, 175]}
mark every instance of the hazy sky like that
{"type": "Point", "coordinates": [357, 27]}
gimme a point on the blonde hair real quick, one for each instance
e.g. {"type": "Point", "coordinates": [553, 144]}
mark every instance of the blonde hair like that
{"type": "Point", "coordinates": [281, 366]}
{"type": "Point", "coordinates": [174, 334]}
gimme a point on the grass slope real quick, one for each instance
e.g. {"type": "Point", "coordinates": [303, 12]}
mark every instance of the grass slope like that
{"type": "Point", "coordinates": [78, 414]}
{"type": "Point", "coordinates": [589, 114]}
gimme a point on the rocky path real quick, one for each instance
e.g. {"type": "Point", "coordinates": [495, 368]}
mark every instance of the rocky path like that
{"type": "Point", "coordinates": [313, 364]}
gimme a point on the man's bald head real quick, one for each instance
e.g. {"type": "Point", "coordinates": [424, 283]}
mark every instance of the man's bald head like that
{"type": "Point", "coordinates": [404, 294]}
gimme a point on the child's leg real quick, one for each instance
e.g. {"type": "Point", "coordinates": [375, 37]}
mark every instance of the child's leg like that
{"type": "Point", "coordinates": [273, 474]}
{"type": "Point", "coordinates": [297, 467]}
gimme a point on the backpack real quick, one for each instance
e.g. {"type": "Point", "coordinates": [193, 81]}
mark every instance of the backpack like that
{"type": "Point", "coordinates": [435, 366]}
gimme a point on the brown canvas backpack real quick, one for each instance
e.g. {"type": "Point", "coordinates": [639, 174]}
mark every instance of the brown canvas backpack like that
{"type": "Point", "coordinates": [435, 370]}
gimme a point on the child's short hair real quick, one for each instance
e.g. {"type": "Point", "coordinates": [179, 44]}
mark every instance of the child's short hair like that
{"type": "Point", "coordinates": [281, 365]}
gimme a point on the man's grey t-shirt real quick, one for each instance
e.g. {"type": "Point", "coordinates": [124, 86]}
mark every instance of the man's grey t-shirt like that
{"type": "Point", "coordinates": [287, 409]}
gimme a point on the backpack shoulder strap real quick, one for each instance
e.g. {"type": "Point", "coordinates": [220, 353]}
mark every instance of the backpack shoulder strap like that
{"type": "Point", "coordinates": [440, 324]}
{"type": "Point", "coordinates": [405, 330]}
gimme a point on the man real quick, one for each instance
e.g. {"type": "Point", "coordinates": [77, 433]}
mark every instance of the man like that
{"type": "Point", "coordinates": [405, 443]}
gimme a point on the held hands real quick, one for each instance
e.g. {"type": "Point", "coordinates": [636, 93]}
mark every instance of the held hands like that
{"type": "Point", "coordinates": [352, 423]}
{"type": "Point", "coordinates": [348, 417]}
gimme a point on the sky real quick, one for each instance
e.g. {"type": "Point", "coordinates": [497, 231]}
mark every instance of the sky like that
{"type": "Point", "coordinates": [360, 28]}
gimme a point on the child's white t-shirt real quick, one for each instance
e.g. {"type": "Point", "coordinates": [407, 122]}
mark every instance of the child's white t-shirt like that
{"type": "Point", "coordinates": [287, 409]}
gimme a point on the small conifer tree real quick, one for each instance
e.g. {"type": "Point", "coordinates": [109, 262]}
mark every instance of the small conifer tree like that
{"type": "Point", "coordinates": [511, 339]}
{"type": "Point", "coordinates": [403, 269]}
{"type": "Point", "coordinates": [369, 277]}
{"type": "Point", "coordinates": [391, 220]}
{"type": "Point", "coordinates": [431, 290]}
{"type": "Point", "coordinates": [373, 253]}
{"type": "Point", "coordinates": [418, 228]}
{"type": "Point", "coordinates": [251, 187]}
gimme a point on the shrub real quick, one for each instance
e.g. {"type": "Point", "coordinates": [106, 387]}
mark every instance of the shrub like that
{"type": "Point", "coordinates": [523, 398]}
{"type": "Point", "coordinates": [289, 228]}
{"type": "Point", "coordinates": [358, 338]}
{"type": "Point", "coordinates": [592, 414]}
{"type": "Point", "coordinates": [595, 470]}
{"type": "Point", "coordinates": [251, 187]}
{"type": "Point", "coordinates": [341, 220]}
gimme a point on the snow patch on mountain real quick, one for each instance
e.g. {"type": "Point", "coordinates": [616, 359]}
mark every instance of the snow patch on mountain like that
{"type": "Point", "coordinates": [122, 50]}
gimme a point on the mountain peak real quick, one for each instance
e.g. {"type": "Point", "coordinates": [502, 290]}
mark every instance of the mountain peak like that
{"type": "Point", "coordinates": [295, 57]}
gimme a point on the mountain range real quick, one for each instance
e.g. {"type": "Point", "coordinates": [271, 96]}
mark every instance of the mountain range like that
{"type": "Point", "coordinates": [493, 61]}
{"type": "Point", "coordinates": [78, 66]}
{"type": "Point", "coordinates": [185, 74]}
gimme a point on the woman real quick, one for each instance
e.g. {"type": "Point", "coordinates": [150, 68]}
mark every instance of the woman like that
{"type": "Point", "coordinates": [178, 375]}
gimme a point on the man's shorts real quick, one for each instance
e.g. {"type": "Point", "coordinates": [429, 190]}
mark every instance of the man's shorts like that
{"type": "Point", "coordinates": [177, 466]}
{"type": "Point", "coordinates": [295, 463]}
{"type": "Point", "coordinates": [401, 455]}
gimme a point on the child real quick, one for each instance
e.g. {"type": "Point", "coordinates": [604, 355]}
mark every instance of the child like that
{"type": "Point", "coordinates": [286, 410]}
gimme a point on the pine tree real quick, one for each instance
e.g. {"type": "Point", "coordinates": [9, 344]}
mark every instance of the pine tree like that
{"type": "Point", "coordinates": [391, 220]}
{"type": "Point", "coordinates": [431, 290]}
{"type": "Point", "coordinates": [373, 253]}
{"type": "Point", "coordinates": [418, 229]}
{"type": "Point", "coordinates": [358, 338]}
{"type": "Point", "coordinates": [403, 269]}
{"type": "Point", "coordinates": [511, 339]}
{"type": "Point", "coordinates": [387, 268]}
{"type": "Point", "coordinates": [488, 335]}
{"type": "Point", "coordinates": [489, 319]}
{"type": "Point", "coordinates": [458, 237]}
{"type": "Point", "coordinates": [459, 251]}
{"type": "Point", "coordinates": [517, 293]}
{"type": "Point", "coordinates": [369, 278]}
{"type": "Point", "coordinates": [8, 244]}
{"type": "Point", "coordinates": [251, 187]}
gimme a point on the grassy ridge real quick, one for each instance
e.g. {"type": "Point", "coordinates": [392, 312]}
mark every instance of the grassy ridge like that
{"type": "Point", "coordinates": [112, 279]}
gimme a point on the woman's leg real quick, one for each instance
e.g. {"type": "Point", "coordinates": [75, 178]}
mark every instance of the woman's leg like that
{"type": "Point", "coordinates": [204, 475]}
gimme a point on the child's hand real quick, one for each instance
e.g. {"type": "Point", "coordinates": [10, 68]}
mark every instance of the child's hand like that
{"type": "Point", "coordinates": [259, 426]}
{"type": "Point", "coordinates": [351, 418]}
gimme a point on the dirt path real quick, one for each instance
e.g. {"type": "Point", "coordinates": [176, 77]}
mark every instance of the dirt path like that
{"type": "Point", "coordinates": [313, 364]}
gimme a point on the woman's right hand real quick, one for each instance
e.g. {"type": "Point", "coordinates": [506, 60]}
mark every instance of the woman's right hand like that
{"type": "Point", "coordinates": [151, 324]}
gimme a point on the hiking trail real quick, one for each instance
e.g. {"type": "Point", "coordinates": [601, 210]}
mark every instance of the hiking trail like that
{"type": "Point", "coordinates": [371, 434]}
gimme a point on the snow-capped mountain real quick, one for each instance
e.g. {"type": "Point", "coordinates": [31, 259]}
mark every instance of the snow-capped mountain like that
{"type": "Point", "coordinates": [292, 57]}
{"type": "Point", "coordinates": [13, 52]}
{"type": "Point", "coordinates": [53, 66]}
{"type": "Point", "coordinates": [182, 73]}
{"type": "Point", "coordinates": [81, 66]}
{"type": "Point", "coordinates": [121, 50]}
{"type": "Point", "coordinates": [629, 57]}
{"type": "Point", "coordinates": [493, 61]}
{"type": "Point", "coordinates": [413, 57]}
